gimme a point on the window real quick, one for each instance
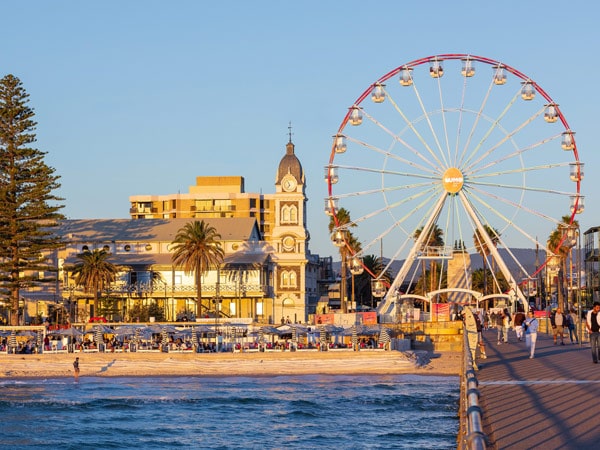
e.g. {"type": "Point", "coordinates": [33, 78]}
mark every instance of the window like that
{"type": "Point", "coordinates": [203, 205]}
{"type": "Point", "coordinates": [288, 279]}
{"type": "Point", "coordinates": [223, 205]}
{"type": "Point", "coordinates": [289, 214]}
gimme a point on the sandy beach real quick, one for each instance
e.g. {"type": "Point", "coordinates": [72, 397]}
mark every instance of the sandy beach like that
{"type": "Point", "coordinates": [51, 365]}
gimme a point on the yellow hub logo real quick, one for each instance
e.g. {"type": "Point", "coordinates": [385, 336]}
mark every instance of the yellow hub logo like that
{"type": "Point", "coordinates": [452, 180]}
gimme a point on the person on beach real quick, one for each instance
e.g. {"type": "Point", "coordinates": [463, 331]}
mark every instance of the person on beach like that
{"type": "Point", "coordinates": [76, 368]}
{"type": "Point", "coordinates": [557, 320]}
{"type": "Point", "coordinates": [593, 326]}
{"type": "Point", "coordinates": [531, 325]}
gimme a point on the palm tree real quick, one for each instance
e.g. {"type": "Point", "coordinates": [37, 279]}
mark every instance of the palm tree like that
{"type": "Point", "coordinates": [433, 239]}
{"type": "Point", "coordinates": [483, 249]}
{"type": "Point", "coordinates": [343, 222]}
{"type": "Point", "coordinates": [197, 248]}
{"type": "Point", "coordinates": [94, 272]}
{"type": "Point", "coordinates": [560, 243]}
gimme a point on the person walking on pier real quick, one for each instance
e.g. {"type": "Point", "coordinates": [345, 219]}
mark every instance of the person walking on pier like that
{"type": "Point", "coordinates": [531, 325]}
{"type": "Point", "coordinates": [558, 322]}
{"type": "Point", "coordinates": [506, 323]}
{"type": "Point", "coordinates": [497, 321]}
{"type": "Point", "coordinates": [593, 327]}
{"type": "Point", "coordinates": [572, 321]}
{"type": "Point", "coordinates": [518, 324]}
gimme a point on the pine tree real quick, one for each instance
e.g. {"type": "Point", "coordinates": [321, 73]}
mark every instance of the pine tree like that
{"type": "Point", "coordinates": [28, 208]}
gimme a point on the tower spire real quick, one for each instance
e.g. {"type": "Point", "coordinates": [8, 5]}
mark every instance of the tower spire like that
{"type": "Point", "coordinates": [290, 131]}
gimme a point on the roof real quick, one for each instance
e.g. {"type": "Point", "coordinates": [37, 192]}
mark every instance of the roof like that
{"type": "Point", "coordinates": [290, 164]}
{"type": "Point", "coordinates": [148, 230]}
{"type": "Point", "coordinates": [246, 258]}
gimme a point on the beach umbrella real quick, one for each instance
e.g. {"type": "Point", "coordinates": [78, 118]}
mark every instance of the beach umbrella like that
{"type": "Point", "coordinates": [323, 338]}
{"type": "Point", "coordinates": [98, 337]}
{"type": "Point", "coordinates": [39, 341]}
{"type": "Point", "coordinates": [27, 333]}
{"type": "Point", "coordinates": [66, 332]}
{"type": "Point", "coordinates": [165, 339]}
{"type": "Point", "coordinates": [12, 342]}
{"type": "Point", "coordinates": [194, 338]}
{"type": "Point", "coordinates": [384, 338]}
{"type": "Point", "coordinates": [354, 338]}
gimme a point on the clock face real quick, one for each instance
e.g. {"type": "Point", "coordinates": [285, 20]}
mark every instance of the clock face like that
{"type": "Point", "coordinates": [288, 183]}
{"type": "Point", "coordinates": [288, 243]}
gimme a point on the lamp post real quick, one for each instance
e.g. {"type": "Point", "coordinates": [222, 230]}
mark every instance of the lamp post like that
{"type": "Point", "coordinates": [217, 306]}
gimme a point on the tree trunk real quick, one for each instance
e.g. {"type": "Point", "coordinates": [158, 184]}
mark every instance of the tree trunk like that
{"type": "Point", "coordinates": [199, 293]}
{"type": "Point", "coordinates": [14, 307]}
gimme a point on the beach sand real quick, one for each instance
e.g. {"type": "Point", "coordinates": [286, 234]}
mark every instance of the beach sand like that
{"type": "Point", "coordinates": [340, 362]}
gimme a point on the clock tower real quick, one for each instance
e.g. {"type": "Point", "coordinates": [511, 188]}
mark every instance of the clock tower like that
{"type": "Point", "coordinates": [289, 238]}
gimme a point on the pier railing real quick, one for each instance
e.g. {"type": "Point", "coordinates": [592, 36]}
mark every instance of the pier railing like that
{"type": "Point", "coordinates": [470, 435]}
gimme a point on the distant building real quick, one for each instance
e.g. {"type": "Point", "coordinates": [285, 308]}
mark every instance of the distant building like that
{"type": "Point", "coordinates": [591, 256]}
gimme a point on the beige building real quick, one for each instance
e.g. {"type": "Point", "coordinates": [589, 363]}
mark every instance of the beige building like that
{"type": "Point", "coordinates": [268, 274]}
{"type": "Point", "coordinates": [281, 221]}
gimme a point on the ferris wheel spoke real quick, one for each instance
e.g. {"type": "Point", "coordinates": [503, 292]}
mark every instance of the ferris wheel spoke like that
{"type": "Point", "coordinates": [495, 124]}
{"type": "Point", "coordinates": [516, 154]}
{"type": "Point", "coordinates": [428, 193]}
{"type": "Point", "coordinates": [524, 188]}
{"type": "Point", "coordinates": [396, 157]}
{"type": "Point", "coordinates": [387, 172]}
{"type": "Point", "coordinates": [478, 117]}
{"type": "Point", "coordinates": [506, 137]}
{"type": "Point", "coordinates": [421, 139]}
{"type": "Point", "coordinates": [519, 170]}
{"type": "Point", "coordinates": [515, 205]}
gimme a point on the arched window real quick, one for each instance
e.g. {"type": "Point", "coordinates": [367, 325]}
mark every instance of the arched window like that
{"type": "Point", "coordinates": [285, 278]}
{"type": "Point", "coordinates": [293, 214]}
{"type": "Point", "coordinates": [285, 214]}
{"type": "Point", "coordinates": [289, 279]}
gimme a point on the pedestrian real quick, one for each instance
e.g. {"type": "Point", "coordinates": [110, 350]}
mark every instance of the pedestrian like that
{"type": "Point", "coordinates": [506, 321]}
{"type": "Point", "coordinates": [479, 325]}
{"type": "Point", "coordinates": [572, 321]}
{"type": "Point", "coordinates": [497, 320]}
{"type": "Point", "coordinates": [593, 327]}
{"type": "Point", "coordinates": [518, 325]}
{"type": "Point", "coordinates": [530, 325]}
{"type": "Point", "coordinates": [558, 322]}
{"type": "Point", "coordinates": [76, 368]}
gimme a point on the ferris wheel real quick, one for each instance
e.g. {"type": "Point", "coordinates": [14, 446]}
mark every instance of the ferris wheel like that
{"type": "Point", "coordinates": [451, 153]}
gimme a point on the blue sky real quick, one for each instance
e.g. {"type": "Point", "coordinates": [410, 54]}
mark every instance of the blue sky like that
{"type": "Point", "coordinates": [140, 97]}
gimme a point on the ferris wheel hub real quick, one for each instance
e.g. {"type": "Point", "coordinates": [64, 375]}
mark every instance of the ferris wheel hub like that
{"type": "Point", "coordinates": [452, 180]}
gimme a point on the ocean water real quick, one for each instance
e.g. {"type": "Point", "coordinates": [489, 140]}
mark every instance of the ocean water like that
{"type": "Point", "coordinates": [291, 412]}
